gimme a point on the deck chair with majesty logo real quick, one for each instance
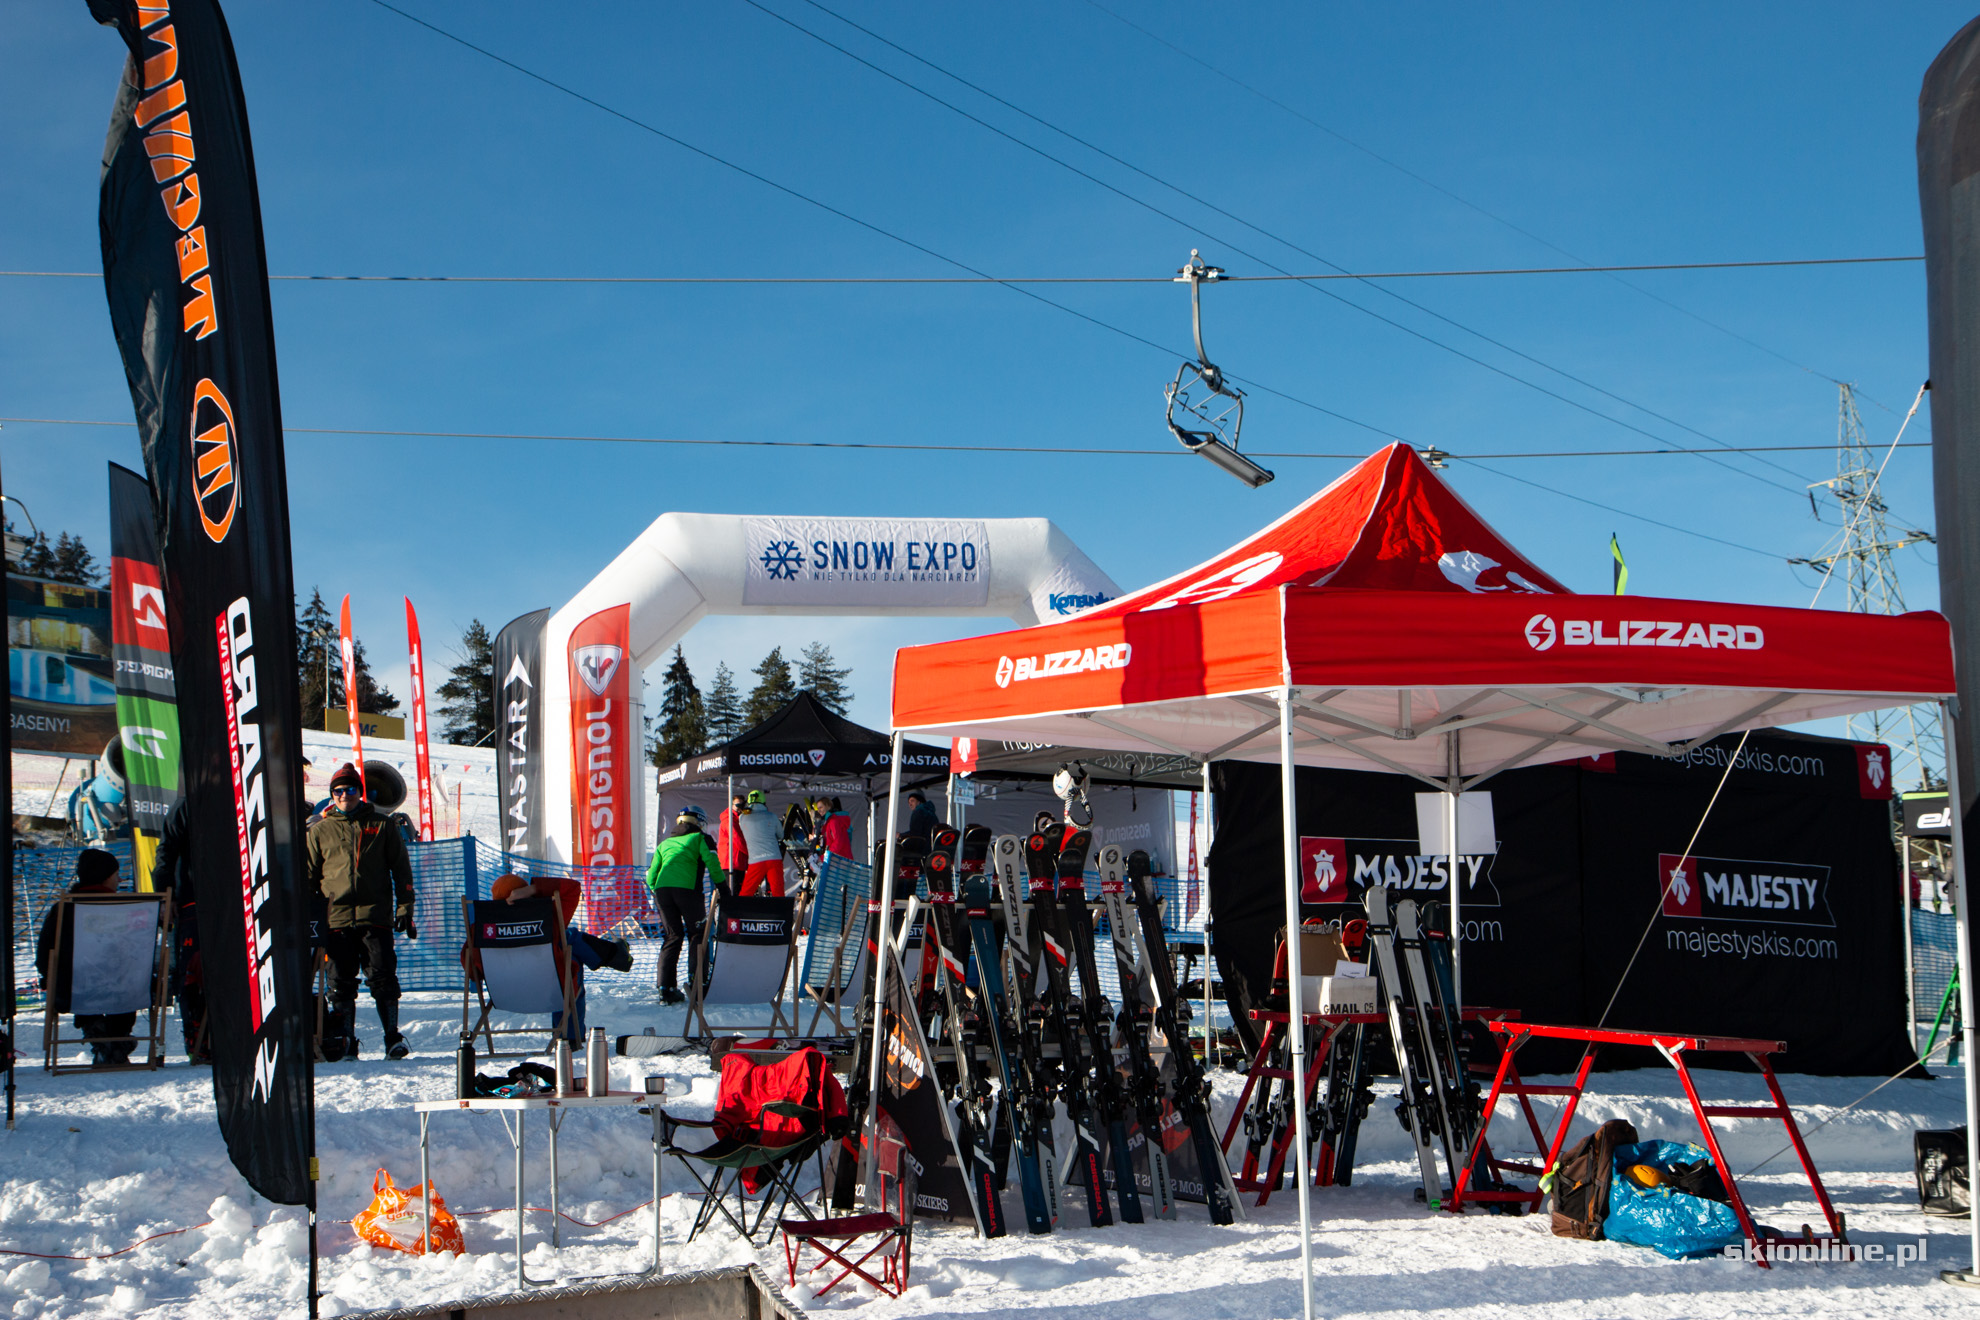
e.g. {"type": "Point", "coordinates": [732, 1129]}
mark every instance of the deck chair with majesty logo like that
{"type": "Point", "coordinates": [749, 955]}
{"type": "Point", "coordinates": [111, 957]}
{"type": "Point", "coordinates": [770, 1117]}
{"type": "Point", "coordinates": [511, 958]}
{"type": "Point", "coordinates": [890, 1228]}
{"type": "Point", "coordinates": [833, 969]}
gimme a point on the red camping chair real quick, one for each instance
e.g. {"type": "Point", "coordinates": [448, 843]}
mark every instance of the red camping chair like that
{"type": "Point", "coordinates": [770, 1117]}
{"type": "Point", "coordinates": [891, 1227]}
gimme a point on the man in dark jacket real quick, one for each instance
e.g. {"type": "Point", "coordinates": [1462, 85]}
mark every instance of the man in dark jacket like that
{"type": "Point", "coordinates": [96, 873]}
{"type": "Point", "coordinates": [922, 819]}
{"type": "Point", "coordinates": [357, 860]}
{"type": "Point", "coordinates": [172, 872]}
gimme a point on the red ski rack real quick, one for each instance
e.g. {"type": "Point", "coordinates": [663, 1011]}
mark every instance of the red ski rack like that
{"type": "Point", "coordinates": [1248, 1178]}
{"type": "Point", "coordinates": [1673, 1048]}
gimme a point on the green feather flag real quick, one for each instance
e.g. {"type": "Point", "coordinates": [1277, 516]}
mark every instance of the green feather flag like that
{"type": "Point", "coordinates": [1621, 571]}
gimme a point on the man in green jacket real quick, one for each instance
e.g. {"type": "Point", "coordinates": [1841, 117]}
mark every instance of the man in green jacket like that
{"type": "Point", "coordinates": [357, 860]}
{"type": "Point", "coordinates": [674, 875]}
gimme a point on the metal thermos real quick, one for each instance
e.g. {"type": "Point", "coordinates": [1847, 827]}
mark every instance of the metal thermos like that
{"type": "Point", "coordinates": [597, 1064]}
{"type": "Point", "coordinates": [563, 1066]}
{"type": "Point", "coordinates": [464, 1068]}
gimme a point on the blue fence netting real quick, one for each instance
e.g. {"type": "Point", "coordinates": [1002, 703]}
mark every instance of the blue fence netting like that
{"type": "Point", "coordinates": [616, 904]}
{"type": "Point", "coordinates": [1934, 958]}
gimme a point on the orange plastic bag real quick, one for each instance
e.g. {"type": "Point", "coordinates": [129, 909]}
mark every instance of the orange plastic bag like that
{"type": "Point", "coordinates": [396, 1218]}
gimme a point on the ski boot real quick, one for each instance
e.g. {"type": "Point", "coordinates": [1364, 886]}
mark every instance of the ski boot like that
{"type": "Point", "coordinates": [395, 1044]}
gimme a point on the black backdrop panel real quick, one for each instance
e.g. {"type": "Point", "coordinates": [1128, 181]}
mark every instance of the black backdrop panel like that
{"type": "Point", "coordinates": [1812, 954]}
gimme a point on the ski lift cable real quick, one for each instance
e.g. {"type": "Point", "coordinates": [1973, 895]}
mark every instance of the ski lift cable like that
{"type": "Point", "coordinates": [1467, 202]}
{"type": "Point", "coordinates": [934, 448]}
{"type": "Point", "coordinates": [867, 225]}
{"type": "Point", "coordinates": [1367, 311]}
{"type": "Point", "coordinates": [1023, 279]}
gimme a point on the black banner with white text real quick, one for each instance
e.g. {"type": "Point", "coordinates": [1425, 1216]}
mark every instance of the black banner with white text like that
{"type": "Point", "coordinates": [187, 281]}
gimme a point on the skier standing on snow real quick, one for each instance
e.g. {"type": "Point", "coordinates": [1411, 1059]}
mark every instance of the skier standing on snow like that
{"type": "Point", "coordinates": [764, 842]}
{"type": "Point", "coordinates": [357, 860]}
{"type": "Point", "coordinates": [730, 846]}
{"type": "Point", "coordinates": [674, 875]}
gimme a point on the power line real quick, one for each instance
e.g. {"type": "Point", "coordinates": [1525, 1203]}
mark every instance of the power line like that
{"type": "Point", "coordinates": [867, 225]}
{"type": "Point", "coordinates": [1182, 192]}
{"type": "Point", "coordinates": [975, 449]}
{"type": "Point", "coordinates": [1019, 279]}
{"type": "Point", "coordinates": [1624, 513]}
{"type": "Point", "coordinates": [1466, 202]}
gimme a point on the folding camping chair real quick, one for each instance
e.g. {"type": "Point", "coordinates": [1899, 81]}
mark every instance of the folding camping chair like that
{"type": "Point", "coordinates": [748, 957]}
{"type": "Point", "coordinates": [112, 955]}
{"type": "Point", "coordinates": [511, 958]}
{"type": "Point", "coordinates": [770, 1117]}
{"type": "Point", "coordinates": [891, 1226]}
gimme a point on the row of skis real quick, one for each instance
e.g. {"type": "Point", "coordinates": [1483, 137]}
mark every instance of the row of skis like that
{"type": "Point", "coordinates": [1425, 1045]}
{"type": "Point", "coordinates": [1010, 1000]}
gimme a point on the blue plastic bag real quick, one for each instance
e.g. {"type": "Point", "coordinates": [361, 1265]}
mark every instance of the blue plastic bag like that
{"type": "Point", "coordinates": [1674, 1223]}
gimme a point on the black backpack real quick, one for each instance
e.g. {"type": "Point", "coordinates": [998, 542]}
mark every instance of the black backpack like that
{"type": "Point", "coordinates": [1580, 1182]}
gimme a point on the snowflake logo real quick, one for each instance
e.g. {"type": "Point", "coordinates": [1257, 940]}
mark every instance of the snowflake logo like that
{"type": "Point", "coordinates": [783, 560]}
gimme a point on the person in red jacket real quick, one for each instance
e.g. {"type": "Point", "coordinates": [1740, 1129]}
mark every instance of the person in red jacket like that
{"type": "Point", "coordinates": [729, 845]}
{"type": "Point", "coordinates": [835, 830]}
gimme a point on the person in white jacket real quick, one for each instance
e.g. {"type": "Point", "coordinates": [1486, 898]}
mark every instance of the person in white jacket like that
{"type": "Point", "coordinates": [762, 835]}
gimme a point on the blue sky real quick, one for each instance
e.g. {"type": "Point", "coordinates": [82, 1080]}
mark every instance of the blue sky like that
{"type": "Point", "coordinates": [1662, 134]}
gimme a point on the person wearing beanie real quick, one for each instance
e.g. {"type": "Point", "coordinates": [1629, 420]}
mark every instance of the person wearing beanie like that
{"type": "Point", "coordinates": [96, 873]}
{"type": "Point", "coordinates": [357, 860]}
{"type": "Point", "coordinates": [675, 876]}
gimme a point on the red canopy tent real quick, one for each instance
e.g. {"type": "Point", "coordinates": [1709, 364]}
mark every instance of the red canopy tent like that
{"type": "Point", "coordinates": [1383, 624]}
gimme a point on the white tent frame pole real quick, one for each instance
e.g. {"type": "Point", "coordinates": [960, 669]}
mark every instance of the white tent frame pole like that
{"type": "Point", "coordinates": [1955, 812]}
{"type": "Point", "coordinates": [1203, 869]}
{"type": "Point", "coordinates": [884, 947]}
{"type": "Point", "coordinates": [1457, 884]}
{"type": "Point", "coordinates": [1295, 1000]}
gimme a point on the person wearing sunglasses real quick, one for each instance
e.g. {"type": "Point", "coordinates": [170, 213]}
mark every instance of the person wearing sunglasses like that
{"type": "Point", "coordinates": [357, 859]}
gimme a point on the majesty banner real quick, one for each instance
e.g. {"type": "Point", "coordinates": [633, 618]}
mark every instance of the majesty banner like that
{"type": "Point", "coordinates": [141, 643]}
{"type": "Point", "coordinates": [518, 710]}
{"type": "Point", "coordinates": [187, 282]}
{"type": "Point", "coordinates": [605, 761]}
{"type": "Point", "coordinates": [422, 763]}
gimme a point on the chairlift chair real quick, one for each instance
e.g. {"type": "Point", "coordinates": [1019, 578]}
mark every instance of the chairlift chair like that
{"type": "Point", "coordinates": [1206, 411]}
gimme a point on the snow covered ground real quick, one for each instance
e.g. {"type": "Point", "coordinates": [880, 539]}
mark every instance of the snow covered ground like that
{"type": "Point", "coordinates": [99, 1162]}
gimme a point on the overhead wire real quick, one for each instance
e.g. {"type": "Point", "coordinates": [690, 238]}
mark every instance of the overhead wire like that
{"type": "Point", "coordinates": [1286, 242]}
{"type": "Point", "coordinates": [1022, 279]}
{"type": "Point", "coordinates": [848, 216]}
{"type": "Point", "coordinates": [1466, 202]}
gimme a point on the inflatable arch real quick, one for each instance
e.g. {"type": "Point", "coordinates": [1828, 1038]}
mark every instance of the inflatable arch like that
{"type": "Point", "coordinates": [687, 565]}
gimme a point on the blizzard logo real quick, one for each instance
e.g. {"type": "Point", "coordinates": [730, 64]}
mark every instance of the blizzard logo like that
{"type": "Point", "coordinates": [1726, 889]}
{"type": "Point", "coordinates": [1071, 602]}
{"type": "Point", "coordinates": [596, 664]}
{"type": "Point", "coordinates": [1541, 634]}
{"type": "Point", "coordinates": [1056, 663]}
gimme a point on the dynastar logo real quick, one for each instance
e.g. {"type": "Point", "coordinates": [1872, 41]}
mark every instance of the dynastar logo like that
{"type": "Point", "coordinates": [215, 452]}
{"type": "Point", "coordinates": [1541, 634]}
{"type": "Point", "coordinates": [235, 639]}
{"type": "Point", "coordinates": [516, 754]}
{"type": "Point", "coordinates": [596, 665]}
{"type": "Point", "coordinates": [1057, 663]}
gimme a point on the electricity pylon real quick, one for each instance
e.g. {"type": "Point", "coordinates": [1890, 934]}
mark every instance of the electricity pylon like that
{"type": "Point", "coordinates": [1863, 553]}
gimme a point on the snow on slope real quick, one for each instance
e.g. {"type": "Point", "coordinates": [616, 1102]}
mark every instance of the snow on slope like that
{"type": "Point", "coordinates": [98, 1162]}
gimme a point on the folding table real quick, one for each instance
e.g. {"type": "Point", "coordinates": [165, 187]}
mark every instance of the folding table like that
{"type": "Point", "coordinates": [1673, 1047]}
{"type": "Point", "coordinates": [555, 1106]}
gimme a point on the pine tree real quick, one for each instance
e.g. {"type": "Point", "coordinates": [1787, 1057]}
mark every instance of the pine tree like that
{"type": "Point", "coordinates": [774, 688]}
{"type": "Point", "coordinates": [74, 563]}
{"type": "Point", "coordinates": [467, 698]}
{"type": "Point", "coordinates": [316, 637]}
{"type": "Point", "coordinates": [38, 560]}
{"type": "Point", "coordinates": [824, 678]}
{"type": "Point", "coordinates": [722, 711]}
{"type": "Point", "coordinates": [683, 720]}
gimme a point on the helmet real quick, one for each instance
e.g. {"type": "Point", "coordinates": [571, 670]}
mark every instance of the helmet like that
{"type": "Point", "coordinates": [693, 813]}
{"type": "Point", "coordinates": [756, 796]}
